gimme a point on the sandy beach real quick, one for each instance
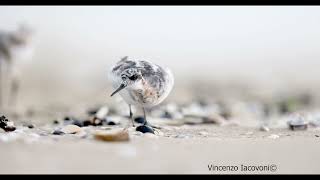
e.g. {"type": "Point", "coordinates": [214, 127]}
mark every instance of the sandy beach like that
{"type": "Point", "coordinates": [291, 153]}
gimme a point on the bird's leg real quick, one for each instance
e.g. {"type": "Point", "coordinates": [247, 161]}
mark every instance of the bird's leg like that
{"type": "Point", "coordinates": [145, 117]}
{"type": "Point", "coordinates": [131, 115]}
{"type": "Point", "coordinates": [145, 120]}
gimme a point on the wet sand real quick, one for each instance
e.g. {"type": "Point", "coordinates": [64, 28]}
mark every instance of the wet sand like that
{"type": "Point", "coordinates": [293, 152]}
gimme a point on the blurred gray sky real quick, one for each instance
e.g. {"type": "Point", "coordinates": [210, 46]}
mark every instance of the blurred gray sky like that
{"type": "Point", "coordinates": [80, 43]}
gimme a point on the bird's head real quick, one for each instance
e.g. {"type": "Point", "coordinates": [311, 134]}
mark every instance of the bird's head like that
{"type": "Point", "coordinates": [129, 78]}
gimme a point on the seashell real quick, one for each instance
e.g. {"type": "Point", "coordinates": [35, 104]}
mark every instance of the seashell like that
{"type": "Point", "coordinates": [71, 129]}
{"type": "Point", "coordinates": [112, 135]}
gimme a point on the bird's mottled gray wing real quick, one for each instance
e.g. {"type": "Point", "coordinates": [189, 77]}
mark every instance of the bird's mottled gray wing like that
{"type": "Point", "coordinates": [154, 75]}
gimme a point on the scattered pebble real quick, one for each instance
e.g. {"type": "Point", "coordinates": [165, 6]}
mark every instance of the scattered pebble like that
{"type": "Point", "coordinates": [317, 135]}
{"type": "Point", "coordinates": [264, 128]}
{"type": "Point", "coordinates": [71, 129]}
{"type": "Point", "coordinates": [298, 122]}
{"type": "Point", "coordinates": [70, 120]}
{"type": "Point", "coordinates": [86, 123]}
{"type": "Point", "coordinates": [112, 135]}
{"type": "Point", "coordinates": [6, 125]}
{"type": "Point", "coordinates": [92, 111]}
{"type": "Point", "coordinates": [111, 121]}
{"type": "Point", "coordinates": [77, 123]}
{"type": "Point", "coordinates": [30, 126]}
{"type": "Point", "coordinates": [95, 121]}
{"type": "Point", "coordinates": [55, 122]}
{"type": "Point", "coordinates": [145, 129]}
{"type": "Point", "coordinates": [167, 115]}
{"type": "Point", "coordinates": [58, 132]}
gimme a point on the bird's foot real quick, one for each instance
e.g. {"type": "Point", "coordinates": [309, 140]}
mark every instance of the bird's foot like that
{"type": "Point", "coordinates": [153, 126]}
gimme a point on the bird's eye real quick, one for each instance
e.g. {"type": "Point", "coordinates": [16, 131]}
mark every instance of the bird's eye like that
{"type": "Point", "coordinates": [123, 77]}
{"type": "Point", "coordinates": [133, 77]}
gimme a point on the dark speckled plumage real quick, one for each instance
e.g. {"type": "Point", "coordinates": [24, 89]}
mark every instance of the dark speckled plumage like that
{"type": "Point", "coordinates": [155, 82]}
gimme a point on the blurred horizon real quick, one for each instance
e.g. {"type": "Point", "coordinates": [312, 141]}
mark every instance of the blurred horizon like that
{"type": "Point", "coordinates": [75, 46]}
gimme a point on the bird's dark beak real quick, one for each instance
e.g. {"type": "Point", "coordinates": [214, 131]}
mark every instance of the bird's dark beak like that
{"type": "Point", "coordinates": [122, 86]}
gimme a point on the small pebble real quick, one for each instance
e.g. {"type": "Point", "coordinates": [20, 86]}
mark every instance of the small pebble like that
{"type": "Point", "coordinates": [264, 128]}
{"type": "Point", "coordinates": [145, 129]}
{"type": "Point", "coordinates": [77, 123]}
{"type": "Point", "coordinates": [70, 120]}
{"type": "Point", "coordinates": [55, 122]}
{"type": "Point", "coordinates": [30, 126]}
{"type": "Point", "coordinates": [97, 122]}
{"type": "Point", "coordinates": [58, 132]}
{"type": "Point", "coordinates": [298, 122]}
{"type": "Point", "coordinates": [298, 127]}
{"type": "Point", "coordinates": [111, 123]}
{"type": "Point", "coordinates": [167, 115]}
{"type": "Point", "coordinates": [67, 118]}
{"type": "Point", "coordinates": [87, 123]}
{"type": "Point", "coordinates": [93, 111]}
{"type": "Point", "coordinates": [71, 129]}
{"type": "Point", "coordinates": [317, 135]}
{"type": "Point", "coordinates": [6, 125]}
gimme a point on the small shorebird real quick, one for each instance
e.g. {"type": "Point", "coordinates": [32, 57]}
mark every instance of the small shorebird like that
{"type": "Point", "coordinates": [141, 83]}
{"type": "Point", "coordinates": [15, 49]}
